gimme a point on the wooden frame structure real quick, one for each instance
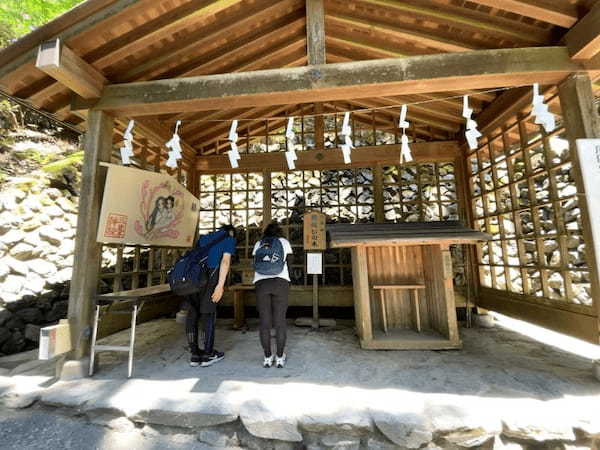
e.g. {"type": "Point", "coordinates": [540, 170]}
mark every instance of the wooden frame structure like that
{"type": "Point", "coordinates": [261, 61]}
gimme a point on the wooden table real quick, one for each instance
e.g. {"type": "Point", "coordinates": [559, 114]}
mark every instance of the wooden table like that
{"type": "Point", "coordinates": [399, 259]}
{"type": "Point", "coordinates": [134, 301]}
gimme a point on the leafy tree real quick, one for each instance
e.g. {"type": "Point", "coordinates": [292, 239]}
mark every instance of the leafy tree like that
{"type": "Point", "coordinates": [19, 17]}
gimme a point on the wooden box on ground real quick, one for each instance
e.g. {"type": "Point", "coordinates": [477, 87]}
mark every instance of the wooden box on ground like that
{"type": "Point", "coordinates": [402, 275]}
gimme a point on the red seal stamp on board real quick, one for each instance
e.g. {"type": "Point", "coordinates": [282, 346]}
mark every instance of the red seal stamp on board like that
{"type": "Point", "coordinates": [116, 224]}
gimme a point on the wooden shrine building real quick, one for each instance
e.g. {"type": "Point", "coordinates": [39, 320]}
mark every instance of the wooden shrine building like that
{"type": "Point", "coordinates": [209, 62]}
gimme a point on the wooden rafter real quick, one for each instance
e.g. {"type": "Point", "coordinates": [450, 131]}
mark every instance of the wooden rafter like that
{"type": "Point", "coordinates": [432, 73]}
{"type": "Point", "coordinates": [583, 40]}
{"type": "Point", "coordinates": [559, 13]}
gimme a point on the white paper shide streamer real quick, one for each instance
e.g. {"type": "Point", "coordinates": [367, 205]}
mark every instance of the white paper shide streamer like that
{"type": "Point", "coordinates": [233, 154]}
{"type": "Point", "coordinates": [540, 111]}
{"type": "Point", "coordinates": [290, 154]}
{"type": "Point", "coordinates": [174, 145]}
{"type": "Point", "coordinates": [471, 133]}
{"type": "Point", "coordinates": [127, 149]}
{"type": "Point", "coordinates": [346, 135]}
{"type": "Point", "coordinates": [405, 153]}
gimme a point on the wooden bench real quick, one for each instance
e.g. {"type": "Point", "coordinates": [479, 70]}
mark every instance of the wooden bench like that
{"type": "Point", "coordinates": [412, 288]}
{"type": "Point", "coordinates": [136, 298]}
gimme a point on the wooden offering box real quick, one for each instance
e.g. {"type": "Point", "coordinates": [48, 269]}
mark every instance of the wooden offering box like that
{"type": "Point", "coordinates": [402, 276]}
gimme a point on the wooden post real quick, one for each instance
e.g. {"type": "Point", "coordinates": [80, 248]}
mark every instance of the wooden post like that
{"type": "Point", "coordinates": [581, 121]}
{"type": "Point", "coordinates": [266, 198]}
{"type": "Point", "coordinates": [362, 295]}
{"type": "Point", "coordinates": [88, 252]}
{"type": "Point", "coordinates": [378, 193]}
{"type": "Point", "coordinates": [315, 32]}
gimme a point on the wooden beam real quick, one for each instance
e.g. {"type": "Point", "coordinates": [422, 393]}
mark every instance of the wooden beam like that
{"type": "Point", "coordinates": [61, 63]}
{"type": "Point", "coordinates": [88, 252]}
{"type": "Point", "coordinates": [501, 109]}
{"type": "Point", "coordinates": [315, 32]}
{"type": "Point", "coordinates": [481, 69]}
{"type": "Point", "coordinates": [583, 40]}
{"type": "Point", "coordinates": [550, 11]}
{"type": "Point", "coordinates": [581, 121]}
{"type": "Point", "coordinates": [331, 158]}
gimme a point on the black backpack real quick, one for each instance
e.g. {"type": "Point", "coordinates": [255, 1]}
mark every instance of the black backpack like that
{"type": "Point", "coordinates": [190, 273]}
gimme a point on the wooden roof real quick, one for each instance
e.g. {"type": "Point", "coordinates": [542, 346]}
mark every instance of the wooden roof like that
{"type": "Point", "coordinates": [137, 40]}
{"type": "Point", "coordinates": [407, 233]}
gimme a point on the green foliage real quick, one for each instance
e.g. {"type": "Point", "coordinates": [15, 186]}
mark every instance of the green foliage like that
{"type": "Point", "coordinates": [19, 17]}
{"type": "Point", "coordinates": [58, 166]}
{"type": "Point", "coordinates": [31, 154]}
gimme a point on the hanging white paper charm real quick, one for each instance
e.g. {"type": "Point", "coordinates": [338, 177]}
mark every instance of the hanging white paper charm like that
{"type": "Point", "coordinates": [127, 149]}
{"type": "Point", "coordinates": [471, 133]}
{"type": "Point", "coordinates": [233, 154]}
{"type": "Point", "coordinates": [174, 144]}
{"type": "Point", "coordinates": [405, 153]}
{"type": "Point", "coordinates": [346, 137]}
{"type": "Point", "coordinates": [540, 111]}
{"type": "Point", "coordinates": [290, 136]}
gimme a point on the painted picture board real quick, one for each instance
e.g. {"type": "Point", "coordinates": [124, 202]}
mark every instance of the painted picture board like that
{"type": "Point", "coordinates": [146, 208]}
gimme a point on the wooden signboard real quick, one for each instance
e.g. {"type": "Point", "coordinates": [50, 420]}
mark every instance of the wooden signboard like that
{"type": "Point", "coordinates": [314, 231]}
{"type": "Point", "coordinates": [146, 208]}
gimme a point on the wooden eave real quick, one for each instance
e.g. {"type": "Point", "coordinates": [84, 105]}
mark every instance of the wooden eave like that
{"type": "Point", "coordinates": [145, 40]}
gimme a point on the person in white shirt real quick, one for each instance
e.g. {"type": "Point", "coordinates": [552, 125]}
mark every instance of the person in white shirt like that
{"type": "Point", "coordinates": [272, 281]}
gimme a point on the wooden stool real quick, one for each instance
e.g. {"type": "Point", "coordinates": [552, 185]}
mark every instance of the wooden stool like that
{"type": "Point", "coordinates": [414, 288]}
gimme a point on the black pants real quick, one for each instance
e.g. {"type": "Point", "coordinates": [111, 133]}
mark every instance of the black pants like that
{"type": "Point", "coordinates": [202, 305]}
{"type": "Point", "coordinates": [272, 304]}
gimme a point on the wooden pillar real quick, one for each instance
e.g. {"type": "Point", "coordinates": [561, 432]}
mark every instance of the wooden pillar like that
{"type": "Point", "coordinates": [581, 121]}
{"type": "Point", "coordinates": [315, 52]}
{"type": "Point", "coordinates": [88, 252]}
{"type": "Point", "coordinates": [266, 198]}
{"type": "Point", "coordinates": [378, 193]}
{"type": "Point", "coordinates": [362, 294]}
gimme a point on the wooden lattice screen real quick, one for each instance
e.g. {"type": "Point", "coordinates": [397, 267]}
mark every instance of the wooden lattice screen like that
{"type": "Point", "coordinates": [523, 193]}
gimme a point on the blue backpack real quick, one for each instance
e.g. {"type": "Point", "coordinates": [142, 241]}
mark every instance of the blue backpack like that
{"type": "Point", "coordinates": [190, 273]}
{"type": "Point", "coordinates": [269, 258]}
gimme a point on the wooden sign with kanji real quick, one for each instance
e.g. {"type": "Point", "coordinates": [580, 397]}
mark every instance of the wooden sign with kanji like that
{"type": "Point", "coordinates": [314, 231]}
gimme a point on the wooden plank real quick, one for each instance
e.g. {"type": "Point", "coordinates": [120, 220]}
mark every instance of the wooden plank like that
{"type": "Point", "coordinates": [557, 13]}
{"type": "Point", "coordinates": [581, 121]}
{"type": "Point", "coordinates": [583, 40]}
{"type": "Point", "coordinates": [61, 63]}
{"type": "Point", "coordinates": [430, 73]}
{"type": "Point", "coordinates": [362, 300]}
{"type": "Point", "coordinates": [88, 252]}
{"type": "Point", "coordinates": [330, 158]}
{"type": "Point", "coordinates": [315, 32]}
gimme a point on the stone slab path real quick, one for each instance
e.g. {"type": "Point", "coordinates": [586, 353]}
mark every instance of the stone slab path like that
{"type": "Point", "coordinates": [502, 390]}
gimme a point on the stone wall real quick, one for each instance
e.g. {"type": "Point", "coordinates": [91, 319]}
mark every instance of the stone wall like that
{"type": "Point", "coordinates": [37, 242]}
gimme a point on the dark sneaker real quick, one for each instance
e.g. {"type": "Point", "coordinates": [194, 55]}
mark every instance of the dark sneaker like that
{"type": "Point", "coordinates": [195, 360]}
{"type": "Point", "coordinates": [209, 360]}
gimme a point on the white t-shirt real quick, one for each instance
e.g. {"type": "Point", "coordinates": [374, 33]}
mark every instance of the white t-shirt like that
{"type": "Point", "coordinates": [287, 250]}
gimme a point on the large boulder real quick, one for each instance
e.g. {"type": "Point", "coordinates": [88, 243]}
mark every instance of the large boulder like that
{"type": "Point", "coordinates": [32, 332]}
{"type": "Point", "coordinates": [66, 205]}
{"type": "Point", "coordinates": [41, 267]}
{"type": "Point", "coordinates": [12, 237]}
{"type": "Point", "coordinates": [4, 269]}
{"type": "Point", "coordinates": [30, 315]}
{"type": "Point", "coordinates": [5, 334]}
{"type": "Point", "coordinates": [15, 266]}
{"type": "Point", "coordinates": [53, 211]}
{"type": "Point", "coordinates": [22, 251]}
{"type": "Point", "coordinates": [5, 314]}
{"type": "Point", "coordinates": [13, 284]}
{"type": "Point", "coordinates": [51, 235]}
{"type": "Point", "coordinates": [58, 311]}
{"type": "Point", "coordinates": [14, 344]}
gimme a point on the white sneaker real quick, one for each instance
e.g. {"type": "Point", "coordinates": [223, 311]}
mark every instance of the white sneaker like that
{"type": "Point", "coordinates": [281, 361]}
{"type": "Point", "coordinates": [268, 362]}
